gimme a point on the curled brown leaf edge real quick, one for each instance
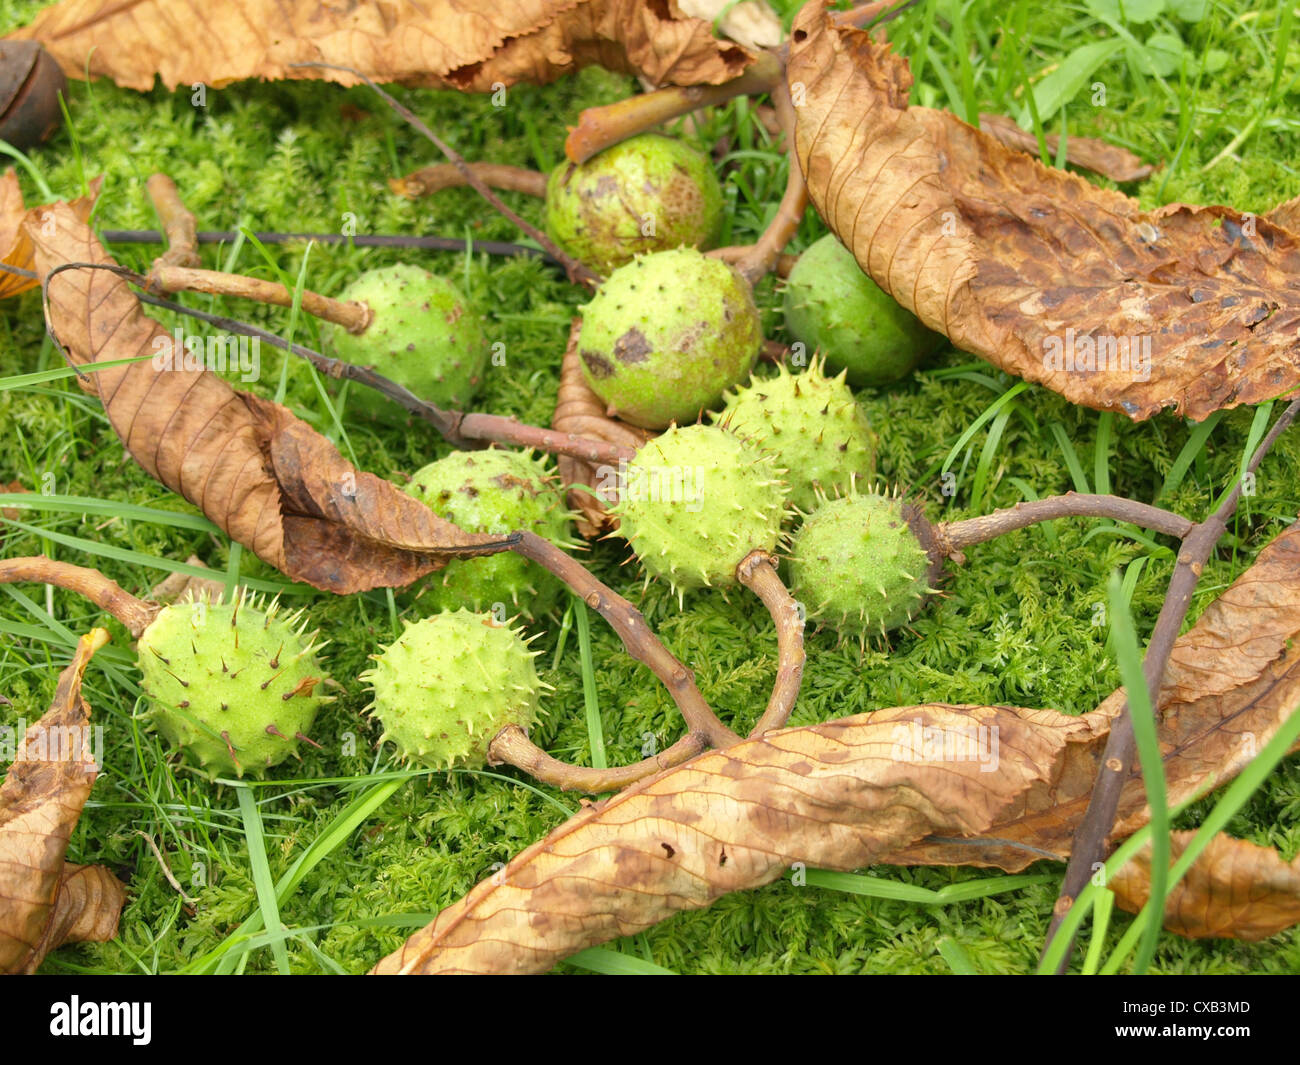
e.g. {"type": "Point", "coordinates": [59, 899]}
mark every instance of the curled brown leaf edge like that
{"type": "Point", "coordinates": [46, 901]}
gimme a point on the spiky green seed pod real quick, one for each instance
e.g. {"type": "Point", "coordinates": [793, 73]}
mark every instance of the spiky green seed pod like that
{"type": "Point", "coordinates": [424, 335]}
{"type": "Point", "coordinates": [494, 491]}
{"type": "Point", "coordinates": [833, 307]}
{"type": "Point", "coordinates": [233, 686]}
{"type": "Point", "coordinates": [667, 335]}
{"type": "Point", "coordinates": [812, 424]}
{"type": "Point", "coordinates": [857, 565]}
{"type": "Point", "coordinates": [695, 501]}
{"type": "Point", "coordinates": [647, 193]}
{"type": "Point", "coordinates": [449, 684]}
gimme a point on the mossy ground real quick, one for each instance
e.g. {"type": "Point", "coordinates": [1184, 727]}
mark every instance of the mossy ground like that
{"type": "Point", "coordinates": [1016, 625]}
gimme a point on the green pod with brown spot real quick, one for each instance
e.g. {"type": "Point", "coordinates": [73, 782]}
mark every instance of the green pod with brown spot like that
{"type": "Point", "coordinates": [666, 335]}
{"type": "Point", "coordinates": [645, 194]}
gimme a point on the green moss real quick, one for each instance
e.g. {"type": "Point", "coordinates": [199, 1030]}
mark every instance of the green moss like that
{"type": "Point", "coordinates": [1015, 624]}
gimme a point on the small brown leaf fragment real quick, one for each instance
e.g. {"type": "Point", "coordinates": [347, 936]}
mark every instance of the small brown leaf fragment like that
{"type": "Point", "coordinates": [435, 43]}
{"type": "Point", "coordinates": [12, 488]}
{"type": "Point", "coordinates": [266, 477]}
{"type": "Point", "coordinates": [1108, 160]}
{"type": "Point", "coordinates": [177, 586]}
{"type": "Point", "coordinates": [15, 248]}
{"type": "Point", "coordinates": [1234, 890]}
{"type": "Point", "coordinates": [43, 901]}
{"type": "Point", "coordinates": [1193, 309]}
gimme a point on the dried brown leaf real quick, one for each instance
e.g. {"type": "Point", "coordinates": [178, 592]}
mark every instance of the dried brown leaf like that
{"type": "Point", "coordinates": [12, 488]}
{"type": "Point", "coordinates": [15, 247]}
{"type": "Point", "coordinates": [1232, 681]}
{"type": "Point", "coordinates": [1100, 157]}
{"type": "Point", "coordinates": [439, 43]}
{"type": "Point", "coordinates": [836, 795]}
{"type": "Point", "coordinates": [909, 785]}
{"type": "Point", "coordinates": [268, 479]}
{"type": "Point", "coordinates": [1025, 264]}
{"type": "Point", "coordinates": [1235, 889]}
{"type": "Point", "coordinates": [43, 901]}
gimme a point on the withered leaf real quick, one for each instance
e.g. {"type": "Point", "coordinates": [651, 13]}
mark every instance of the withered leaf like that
{"type": "Point", "coordinates": [836, 795]}
{"type": "Point", "coordinates": [1102, 158]}
{"type": "Point", "coordinates": [44, 902]}
{"type": "Point", "coordinates": [437, 43]}
{"type": "Point", "coordinates": [909, 785]}
{"type": "Point", "coordinates": [1235, 889]}
{"type": "Point", "coordinates": [15, 248]}
{"type": "Point", "coordinates": [267, 478]}
{"type": "Point", "coordinates": [1232, 680]}
{"type": "Point", "coordinates": [1031, 267]}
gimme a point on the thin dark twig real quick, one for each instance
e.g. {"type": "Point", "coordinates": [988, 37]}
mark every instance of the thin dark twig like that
{"type": "Point", "coordinates": [578, 272]}
{"type": "Point", "coordinates": [361, 240]}
{"type": "Point", "coordinates": [466, 431]}
{"type": "Point", "coordinates": [1090, 838]}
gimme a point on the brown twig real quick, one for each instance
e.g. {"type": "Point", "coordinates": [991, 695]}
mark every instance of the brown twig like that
{"type": "Point", "coordinates": [579, 410]}
{"type": "Point", "coordinates": [512, 746]}
{"type": "Point", "coordinates": [765, 253]}
{"type": "Point", "coordinates": [463, 430]}
{"type": "Point", "coordinates": [135, 614]}
{"type": "Point", "coordinates": [351, 314]}
{"type": "Point", "coordinates": [641, 643]}
{"type": "Point", "coordinates": [1091, 838]}
{"type": "Point", "coordinates": [430, 179]}
{"type": "Point", "coordinates": [734, 253]}
{"type": "Point", "coordinates": [599, 128]}
{"type": "Point", "coordinates": [757, 572]}
{"type": "Point", "coordinates": [954, 535]}
{"type": "Point", "coordinates": [579, 273]}
{"type": "Point", "coordinates": [177, 221]}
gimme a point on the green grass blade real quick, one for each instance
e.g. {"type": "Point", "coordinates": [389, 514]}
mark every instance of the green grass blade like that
{"type": "Point", "coordinates": [1061, 86]}
{"type": "Point", "coordinates": [1071, 456]}
{"type": "Point", "coordinates": [615, 963]}
{"type": "Point", "coordinates": [41, 377]}
{"type": "Point", "coordinates": [61, 504]}
{"type": "Point", "coordinates": [880, 888]}
{"type": "Point", "coordinates": [595, 732]}
{"type": "Point", "coordinates": [261, 870]}
{"type": "Point", "coordinates": [122, 554]}
{"type": "Point", "coordinates": [956, 957]}
{"type": "Point", "coordinates": [1100, 923]}
{"type": "Point", "coordinates": [1195, 445]}
{"type": "Point", "coordinates": [1129, 657]}
{"type": "Point", "coordinates": [1101, 453]}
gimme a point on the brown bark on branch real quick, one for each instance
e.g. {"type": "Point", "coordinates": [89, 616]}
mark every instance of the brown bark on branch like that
{"type": "Point", "coordinates": [135, 614]}
{"type": "Point", "coordinates": [178, 225]}
{"type": "Point", "coordinates": [430, 179]}
{"type": "Point", "coordinates": [353, 315]}
{"type": "Point", "coordinates": [757, 572]}
{"type": "Point", "coordinates": [641, 643]}
{"type": "Point", "coordinates": [511, 746]}
{"type": "Point", "coordinates": [952, 536]}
